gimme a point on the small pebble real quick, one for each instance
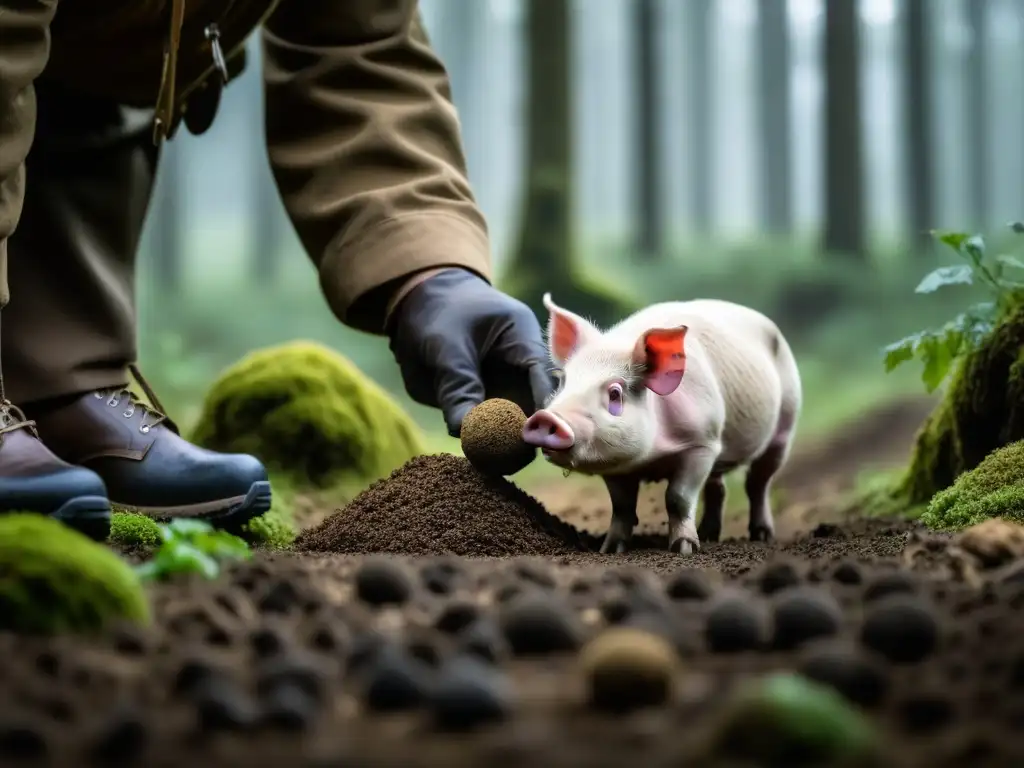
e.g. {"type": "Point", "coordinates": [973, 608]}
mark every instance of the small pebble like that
{"type": "Point", "coordinates": [485, 640]}
{"type": "Point", "coordinates": [628, 669]}
{"type": "Point", "coordinates": [193, 674]}
{"type": "Point", "coordinates": [538, 624]}
{"type": "Point", "coordinates": [851, 674]}
{"type": "Point", "coordinates": [302, 674]}
{"type": "Point", "coordinates": [902, 629]}
{"type": "Point", "coordinates": [121, 741]}
{"type": "Point", "coordinates": [894, 583]}
{"type": "Point", "coordinates": [847, 573]}
{"type": "Point", "coordinates": [383, 582]}
{"type": "Point", "coordinates": [689, 584]}
{"type": "Point", "coordinates": [266, 642]}
{"type": "Point", "coordinates": [468, 694]}
{"type": "Point", "coordinates": [778, 576]}
{"type": "Point", "coordinates": [22, 742]}
{"type": "Point", "coordinates": [396, 681]}
{"type": "Point", "coordinates": [222, 706]}
{"type": "Point", "coordinates": [801, 615]}
{"type": "Point", "coordinates": [456, 616]}
{"type": "Point", "coordinates": [734, 625]}
{"type": "Point", "coordinates": [289, 707]}
{"type": "Point", "coordinates": [925, 713]}
{"type": "Point", "coordinates": [279, 597]}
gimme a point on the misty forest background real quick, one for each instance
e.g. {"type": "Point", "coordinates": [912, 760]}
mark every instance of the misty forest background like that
{"type": "Point", "coordinates": [788, 155]}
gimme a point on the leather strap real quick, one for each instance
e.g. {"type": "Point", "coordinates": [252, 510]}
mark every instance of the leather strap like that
{"type": "Point", "coordinates": [165, 101]}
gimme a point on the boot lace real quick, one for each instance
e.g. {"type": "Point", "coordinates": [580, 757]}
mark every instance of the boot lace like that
{"type": "Point", "coordinates": [153, 412]}
{"type": "Point", "coordinates": [12, 418]}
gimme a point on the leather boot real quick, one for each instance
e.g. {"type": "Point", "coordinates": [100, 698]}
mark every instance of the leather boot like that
{"type": "Point", "coordinates": [147, 466]}
{"type": "Point", "coordinates": [33, 479]}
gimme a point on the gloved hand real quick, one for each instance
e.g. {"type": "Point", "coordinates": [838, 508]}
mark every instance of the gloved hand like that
{"type": "Point", "coordinates": [459, 341]}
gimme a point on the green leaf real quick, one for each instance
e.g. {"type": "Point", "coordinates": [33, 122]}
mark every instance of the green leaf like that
{"type": "Point", "coordinates": [974, 247]}
{"type": "Point", "coordinates": [1017, 227]}
{"type": "Point", "coordinates": [187, 528]}
{"type": "Point", "coordinates": [900, 352]}
{"type": "Point", "coordinates": [1010, 261]}
{"type": "Point", "coordinates": [953, 239]}
{"type": "Point", "coordinates": [937, 354]}
{"type": "Point", "coordinates": [958, 274]}
{"type": "Point", "coordinates": [188, 559]}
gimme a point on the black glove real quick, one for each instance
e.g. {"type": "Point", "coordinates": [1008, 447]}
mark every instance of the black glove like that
{"type": "Point", "coordinates": [458, 341]}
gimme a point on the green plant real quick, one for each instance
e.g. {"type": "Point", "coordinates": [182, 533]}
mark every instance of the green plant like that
{"type": "Point", "coordinates": [54, 580]}
{"type": "Point", "coordinates": [192, 546]}
{"type": "Point", "coordinates": [939, 348]}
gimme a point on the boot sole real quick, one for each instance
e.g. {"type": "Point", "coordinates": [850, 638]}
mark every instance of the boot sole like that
{"type": "Point", "coordinates": [89, 515]}
{"type": "Point", "coordinates": [229, 514]}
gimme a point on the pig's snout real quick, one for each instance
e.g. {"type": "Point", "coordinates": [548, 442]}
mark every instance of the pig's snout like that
{"type": "Point", "coordinates": [548, 431]}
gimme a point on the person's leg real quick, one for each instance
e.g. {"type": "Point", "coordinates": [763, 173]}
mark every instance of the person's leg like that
{"type": "Point", "coordinates": [69, 331]}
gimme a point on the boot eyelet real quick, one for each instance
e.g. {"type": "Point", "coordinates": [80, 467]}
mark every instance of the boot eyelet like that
{"type": "Point", "coordinates": [129, 413]}
{"type": "Point", "coordinates": [98, 395]}
{"type": "Point", "coordinates": [113, 402]}
{"type": "Point", "coordinates": [144, 429]}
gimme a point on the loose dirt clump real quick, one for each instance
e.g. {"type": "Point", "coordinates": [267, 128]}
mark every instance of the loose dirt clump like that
{"type": "Point", "coordinates": [440, 504]}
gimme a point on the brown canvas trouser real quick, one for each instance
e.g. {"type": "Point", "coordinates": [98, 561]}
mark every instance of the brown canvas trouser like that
{"type": "Point", "coordinates": [70, 325]}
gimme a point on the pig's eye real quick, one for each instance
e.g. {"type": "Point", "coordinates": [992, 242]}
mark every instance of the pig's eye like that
{"type": "Point", "coordinates": [615, 399]}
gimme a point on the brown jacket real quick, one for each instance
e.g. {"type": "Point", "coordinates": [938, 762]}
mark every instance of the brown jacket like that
{"type": "Point", "coordinates": [363, 139]}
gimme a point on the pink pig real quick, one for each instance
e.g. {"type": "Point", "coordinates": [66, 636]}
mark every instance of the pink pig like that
{"type": "Point", "coordinates": [680, 391]}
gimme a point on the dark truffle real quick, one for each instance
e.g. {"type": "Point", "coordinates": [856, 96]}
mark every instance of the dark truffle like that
{"type": "Point", "coordinates": [492, 438]}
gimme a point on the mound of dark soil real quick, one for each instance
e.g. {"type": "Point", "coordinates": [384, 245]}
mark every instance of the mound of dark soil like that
{"type": "Point", "coordinates": [440, 504]}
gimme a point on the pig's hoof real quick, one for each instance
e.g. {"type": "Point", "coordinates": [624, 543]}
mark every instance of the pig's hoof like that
{"type": "Point", "coordinates": [761, 533]}
{"type": "Point", "coordinates": [684, 546]}
{"type": "Point", "coordinates": [613, 546]}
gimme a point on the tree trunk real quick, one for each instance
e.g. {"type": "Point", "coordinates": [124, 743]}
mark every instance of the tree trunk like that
{"type": "Point", "coordinates": [169, 267]}
{"type": "Point", "coordinates": [844, 162]}
{"type": "Point", "coordinates": [266, 219]}
{"type": "Point", "coordinates": [700, 76]}
{"type": "Point", "coordinates": [544, 259]}
{"type": "Point", "coordinates": [978, 114]}
{"type": "Point", "coordinates": [774, 103]}
{"type": "Point", "coordinates": [650, 218]}
{"type": "Point", "coordinates": [919, 181]}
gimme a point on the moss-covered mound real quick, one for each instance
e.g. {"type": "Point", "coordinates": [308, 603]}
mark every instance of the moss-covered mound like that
{"type": "Point", "coordinates": [983, 410]}
{"type": "Point", "coordinates": [995, 488]}
{"type": "Point", "coordinates": [309, 414]}
{"type": "Point", "coordinates": [54, 579]}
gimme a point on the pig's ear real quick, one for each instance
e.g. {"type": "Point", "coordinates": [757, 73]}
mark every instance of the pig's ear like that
{"type": "Point", "coordinates": [661, 354]}
{"type": "Point", "coordinates": [566, 331]}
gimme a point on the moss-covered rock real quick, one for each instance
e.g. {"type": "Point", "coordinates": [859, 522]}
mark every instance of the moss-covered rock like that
{"type": "Point", "coordinates": [995, 488]}
{"type": "Point", "coordinates": [54, 579]}
{"type": "Point", "coordinates": [309, 414]}
{"type": "Point", "coordinates": [983, 410]}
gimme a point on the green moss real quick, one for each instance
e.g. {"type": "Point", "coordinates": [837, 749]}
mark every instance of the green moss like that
{"type": "Point", "coordinates": [310, 415]}
{"type": "Point", "coordinates": [275, 529]}
{"type": "Point", "coordinates": [995, 488]}
{"type": "Point", "coordinates": [130, 529]}
{"type": "Point", "coordinates": [54, 579]}
{"type": "Point", "coordinates": [983, 410]}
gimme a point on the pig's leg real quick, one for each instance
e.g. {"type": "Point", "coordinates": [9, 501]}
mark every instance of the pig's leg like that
{"type": "Point", "coordinates": [714, 503]}
{"type": "Point", "coordinates": [623, 492]}
{"type": "Point", "coordinates": [758, 486]}
{"type": "Point", "coordinates": [681, 498]}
